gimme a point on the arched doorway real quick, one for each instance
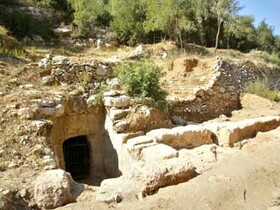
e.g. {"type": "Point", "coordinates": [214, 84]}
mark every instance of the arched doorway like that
{"type": "Point", "coordinates": [77, 156]}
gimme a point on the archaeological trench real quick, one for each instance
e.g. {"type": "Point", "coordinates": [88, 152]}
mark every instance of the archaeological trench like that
{"type": "Point", "coordinates": [125, 143]}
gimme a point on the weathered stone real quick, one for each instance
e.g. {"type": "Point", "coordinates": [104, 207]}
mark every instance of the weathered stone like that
{"type": "Point", "coordinates": [116, 114]}
{"type": "Point", "coordinates": [169, 172]}
{"type": "Point", "coordinates": [48, 80]}
{"type": "Point", "coordinates": [117, 101]}
{"type": "Point", "coordinates": [120, 126]}
{"type": "Point", "coordinates": [92, 101]}
{"type": "Point", "coordinates": [229, 133]}
{"type": "Point", "coordinates": [44, 63]}
{"type": "Point", "coordinates": [114, 83]}
{"type": "Point", "coordinates": [26, 113]}
{"type": "Point", "coordinates": [183, 137]}
{"type": "Point", "coordinates": [60, 60]}
{"type": "Point", "coordinates": [53, 189]}
{"type": "Point", "coordinates": [137, 53]}
{"type": "Point", "coordinates": [109, 197]}
{"type": "Point", "coordinates": [158, 152]}
{"type": "Point", "coordinates": [132, 143]}
{"type": "Point", "coordinates": [102, 70]}
{"type": "Point", "coordinates": [56, 111]}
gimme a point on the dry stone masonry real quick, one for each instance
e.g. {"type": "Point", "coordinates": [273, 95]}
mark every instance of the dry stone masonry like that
{"type": "Point", "coordinates": [221, 94]}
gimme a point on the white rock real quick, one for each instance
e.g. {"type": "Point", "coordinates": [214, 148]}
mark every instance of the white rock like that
{"type": "Point", "coordinates": [48, 80]}
{"type": "Point", "coordinates": [101, 70]}
{"type": "Point", "coordinates": [53, 189]}
{"type": "Point", "coordinates": [117, 101]}
{"type": "Point", "coordinates": [60, 60]}
{"type": "Point", "coordinates": [229, 133]}
{"type": "Point", "coordinates": [56, 111]}
{"type": "Point", "coordinates": [169, 172]}
{"type": "Point", "coordinates": [43, 63]}
{"type": "Point", "coordinates": [158, 152]}
{"type": "Point", "coordinates": [183, 137]}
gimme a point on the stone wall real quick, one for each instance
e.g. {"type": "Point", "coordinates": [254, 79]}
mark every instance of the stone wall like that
{"type": "Point", "coordinates": [60, 70]}
{"type": "Point", "coordinates": [221, 94]}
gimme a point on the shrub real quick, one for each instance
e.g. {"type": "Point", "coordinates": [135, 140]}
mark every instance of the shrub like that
{"type": "Point", "coordinates": [141, 79]}
{"type": "Point", "coordinates": [274, 58]}
{"type": "Point", "coordinates": [261, 88]}
{"type": "Point", "coordinates": [21, 24]}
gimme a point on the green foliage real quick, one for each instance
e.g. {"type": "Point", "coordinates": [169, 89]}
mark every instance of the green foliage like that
{"type": "Point", "coordinates": [243, 34]}
{"type": "Point", "coordinates": [128, 18]}
{"type": "Point", "coordinates": [170, 17]}
{"type": "Point", "coordinates": [141, 79]}
{"type": "Point", "coordinates": [99, 97]}
{"type": "Point", "coordinates": [265, 36]}
{"type": "Point", "coordinates": [90, 14]}
{"type": "Point", "coordinates": [261, 88]}
{"type": "Point", "coordinates": [274, 58]}
{"type": "Point", "coordinates": [21, 24]}
{"type": "Point", "coordinates": [51, 4]}
{"type": "Point", "coordinates": [16, 52]}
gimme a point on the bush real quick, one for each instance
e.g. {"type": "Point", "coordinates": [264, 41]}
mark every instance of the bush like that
{"type": "Point", "coordinates": [21, 24]}
{"type": "Point", "coordinates": [261, 88]}
{"type": "Point", "coordinates": [141, 79]}
{"type": "Point", "coordinates": [274, 58]}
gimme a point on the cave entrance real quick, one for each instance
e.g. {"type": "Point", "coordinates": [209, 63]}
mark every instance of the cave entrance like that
{"type": "Point", "coordinates": [77, 157]}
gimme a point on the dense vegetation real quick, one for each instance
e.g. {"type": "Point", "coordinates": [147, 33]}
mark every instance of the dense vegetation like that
{"type": "Point", "coordinates": [212, 23]}
{"type": "Point", "coordinates": [141, 79]}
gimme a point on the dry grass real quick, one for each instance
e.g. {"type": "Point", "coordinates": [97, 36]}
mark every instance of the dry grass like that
{"type": "Point", "coordinates": [261, 88]}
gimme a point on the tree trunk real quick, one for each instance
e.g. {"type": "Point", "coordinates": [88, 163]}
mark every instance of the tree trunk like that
{"type": "Point", "coordinates": [218, 35]}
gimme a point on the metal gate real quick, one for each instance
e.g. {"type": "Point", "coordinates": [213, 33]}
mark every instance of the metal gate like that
{"type": "Point", "coordinates": [76, 157]}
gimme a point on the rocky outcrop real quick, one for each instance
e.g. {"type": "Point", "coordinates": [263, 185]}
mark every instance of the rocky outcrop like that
{"type": "Point", "coordinates": [228, 133]}
{"type": "Point", "coordinates": [182, 137]}
{"type": "Point", "coordinates": [127, 115]}
{"type": "Point", "coordinates": [146, 181]}
{"type": "Point", "coordinates": [53, 189]}
{"type": "Point", "coordinates": [169, 172]}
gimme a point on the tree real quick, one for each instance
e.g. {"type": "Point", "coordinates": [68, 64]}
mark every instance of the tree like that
{"type": "Point", "coordinates": [265, 37]}
{"type": "Point", "coordinates": [170, 17]}
{"type": "Point", "coordinates": [244, 33]}
{"type": "Point", "coordinates": [128, 18]}
{"type": "Point", "coordinates": [89, 14]}
{"type": "Point", "coordinates": [223, 10]}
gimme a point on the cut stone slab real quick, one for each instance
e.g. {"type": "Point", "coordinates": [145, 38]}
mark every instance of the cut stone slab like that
{"type": "Point", "coordinates": [117, 101]}
{"type": "Point", "coordinates": [132, 143]}
{"type": "Point", "coordinates": [137, 144]}
{"type": "Point", "coordinates": [116, 114]}
{"type": "Point", "coordinates": [169, 172]}
{"type": "Point", "coordinates": [56, 111]}
{"type": "Point", "coordinates": [183, 137]}
{"type": "Point", "coordinates": [228, 133]}
{"type": "Point", "coordinates": [158, 152]}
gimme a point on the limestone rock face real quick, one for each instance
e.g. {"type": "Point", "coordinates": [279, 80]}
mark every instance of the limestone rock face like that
{"type": "Point", "coordinates": [169, 172]}
{"type": "Point", "coordinates": [117, 101]}
{"type": "Point", "coordinates": [229, 133]}
{"type": "Point", "coordinates": [53, 189]}
{"type": "Point", "coordinates": [56, 111]}
{"type": "Point", "coordinates": [183, 137]}
{"type": "Point", "coordinates": [158, 152]}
